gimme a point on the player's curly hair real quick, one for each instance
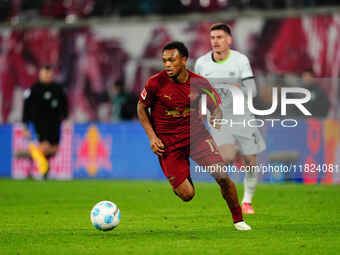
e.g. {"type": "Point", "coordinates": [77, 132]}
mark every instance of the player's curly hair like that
{"type": "Point", "coordinates": [183, 50]}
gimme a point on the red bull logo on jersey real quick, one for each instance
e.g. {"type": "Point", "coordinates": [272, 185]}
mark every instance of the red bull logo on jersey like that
{"type": "Point", "coordinates": [93, 152]}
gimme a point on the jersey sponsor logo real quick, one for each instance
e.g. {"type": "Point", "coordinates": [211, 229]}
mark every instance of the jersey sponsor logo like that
{"type": "Point", "coordinates": [166, 96]}
{"type": "Point", "coordinates": [143, 94]}
{"type": "Point", "coordinates": [178, 113]}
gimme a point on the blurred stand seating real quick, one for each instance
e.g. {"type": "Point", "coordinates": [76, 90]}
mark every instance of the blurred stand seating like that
{"type": "Point", "coordinates": [90, 59]}
{"type": "Point", "coordinates": [73, 9]}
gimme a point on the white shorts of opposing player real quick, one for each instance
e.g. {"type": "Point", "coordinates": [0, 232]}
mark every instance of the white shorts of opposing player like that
{"type": "Point", "coordinates": [248, 140]}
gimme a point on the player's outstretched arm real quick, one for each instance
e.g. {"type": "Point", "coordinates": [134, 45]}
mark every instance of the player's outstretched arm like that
{"type": "Point", "coordinates": [156, 144]}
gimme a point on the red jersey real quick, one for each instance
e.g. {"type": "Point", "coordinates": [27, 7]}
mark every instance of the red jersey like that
{"type": "Point", "coordinates": [174, 107]}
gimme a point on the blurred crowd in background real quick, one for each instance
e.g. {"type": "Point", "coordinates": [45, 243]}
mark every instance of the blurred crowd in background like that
{"type": "Point", "coordinates": [103, 68]}
{"type": "Point", "coordinates": [71, 9]}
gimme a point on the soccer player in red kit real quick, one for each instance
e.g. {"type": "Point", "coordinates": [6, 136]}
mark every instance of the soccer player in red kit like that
{"type": "Point", "coordinates": [173, 96]}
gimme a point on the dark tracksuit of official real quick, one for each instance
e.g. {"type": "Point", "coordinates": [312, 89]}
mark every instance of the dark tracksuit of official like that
{"type": "Point", "coordinates": [45, 105]}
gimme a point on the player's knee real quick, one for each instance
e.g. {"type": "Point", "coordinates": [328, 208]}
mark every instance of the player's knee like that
{"type": "Point", "coordinates": [185, 190]}
{"type": "Point", "coordinates": [188, 196]}
{"type": "Point", "coordinates": [52, 151]}
{"type": "Point", "coordinates": [228, 154]}
{"type": "Point", "coordinates": [250, 160]}
{"type": "Point", "coordinates": [224, 181]}
{"type": "Point", "coordinates": [227, 158]}
{"type": "Point", "coordinates": [43, 150]}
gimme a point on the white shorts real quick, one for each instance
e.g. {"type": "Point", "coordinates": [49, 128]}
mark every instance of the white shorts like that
{"type": "Point", "coordinates": [248, 145]}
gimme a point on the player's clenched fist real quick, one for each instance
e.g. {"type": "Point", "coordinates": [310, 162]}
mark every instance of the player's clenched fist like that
{"type": "Point", "coordinates": [157, 146]}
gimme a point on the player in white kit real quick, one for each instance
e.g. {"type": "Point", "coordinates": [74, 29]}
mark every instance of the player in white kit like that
{"type": "Point", "coordinates": [223, 66]}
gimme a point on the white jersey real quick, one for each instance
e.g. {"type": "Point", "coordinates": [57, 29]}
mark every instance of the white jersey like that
{"type": "Point", "coordinates": [236, 65]}
{"type": "Point", "coordinates": [234, 69]}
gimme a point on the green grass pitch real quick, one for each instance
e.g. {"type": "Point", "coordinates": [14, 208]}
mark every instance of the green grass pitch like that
{"type": "Point", "coordinates": [53, 218]}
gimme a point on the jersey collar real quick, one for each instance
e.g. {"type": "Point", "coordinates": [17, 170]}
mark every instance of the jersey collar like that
{"type": "Point", "coordinates": [221, 61]}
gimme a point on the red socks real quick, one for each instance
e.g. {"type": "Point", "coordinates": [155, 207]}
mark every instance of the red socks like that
{"type": "Point", "coordinates": [237, 214]}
